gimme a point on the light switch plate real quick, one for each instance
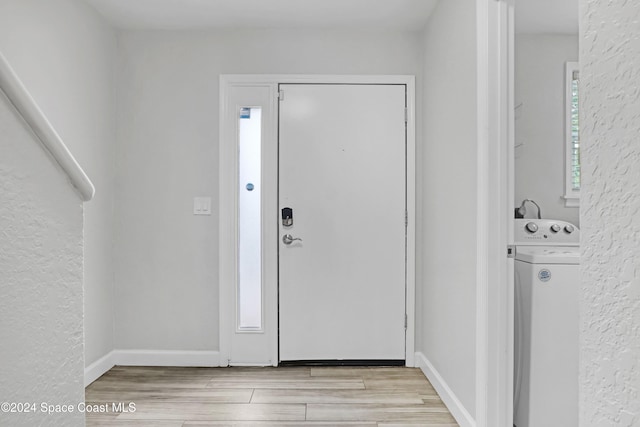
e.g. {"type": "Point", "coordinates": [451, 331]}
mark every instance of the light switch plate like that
{"type": "Point", "coordinates": [202, 205]}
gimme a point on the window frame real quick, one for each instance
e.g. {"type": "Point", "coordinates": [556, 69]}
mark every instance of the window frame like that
{"type": "Point", "coordinates": [571, 196]}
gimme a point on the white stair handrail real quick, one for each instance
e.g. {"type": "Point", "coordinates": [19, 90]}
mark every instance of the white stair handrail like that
{"type": "Point", "coordinates": [18, 95]}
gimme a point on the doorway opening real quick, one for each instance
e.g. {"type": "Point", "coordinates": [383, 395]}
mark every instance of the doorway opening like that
{"type": "Point", "coordinates": [349, 186]}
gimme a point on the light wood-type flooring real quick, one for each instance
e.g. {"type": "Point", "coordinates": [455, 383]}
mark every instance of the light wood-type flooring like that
{"type": "Point", "coordinates": [266, 397]}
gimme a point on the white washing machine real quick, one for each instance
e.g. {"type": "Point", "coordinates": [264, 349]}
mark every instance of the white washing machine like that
{"type": "Point", "coordinates": [547, 285]}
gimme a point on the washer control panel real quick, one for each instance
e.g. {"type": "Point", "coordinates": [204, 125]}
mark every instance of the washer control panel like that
{"type": "Point", "coordinates": [549, 232]}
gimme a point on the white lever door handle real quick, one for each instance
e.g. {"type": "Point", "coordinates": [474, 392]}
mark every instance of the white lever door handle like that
{"type": "Point", "coordinates": [287, 239]}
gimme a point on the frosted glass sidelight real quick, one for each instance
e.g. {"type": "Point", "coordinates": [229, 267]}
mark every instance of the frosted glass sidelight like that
{"type": "Point", "coordinates": [249, 220]}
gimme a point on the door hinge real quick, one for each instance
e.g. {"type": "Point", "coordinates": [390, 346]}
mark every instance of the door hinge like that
{"type": "Point", "coordinates": [406, 218]}
{"type": "Point", "coordinates": [511, 251]}
{"type": "Point", "coordinates": [281, 95]}
{"type": "Point", "coordinates": [405, 321]}
{"type": "Point", "coordinates": [406, 115]}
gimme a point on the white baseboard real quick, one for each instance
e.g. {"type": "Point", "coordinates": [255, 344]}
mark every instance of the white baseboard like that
{"type": "Point", "coordinates": [97, 368]}
{"type": "Point", "coordinates": [447, 395]}
{"type": "Point", "coordinates": [149, 358]}
{"type": "Point", "coordinates": [167, 358]}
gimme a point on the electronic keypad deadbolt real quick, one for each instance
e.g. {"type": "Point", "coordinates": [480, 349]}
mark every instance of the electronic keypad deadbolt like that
{"type": "Point", "coordinates": [287, 217]}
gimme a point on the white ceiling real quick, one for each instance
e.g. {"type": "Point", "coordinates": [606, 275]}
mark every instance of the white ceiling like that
{"type": "Point", "coordinates": [532, 16]}
{"type": "Point", "coordinates": [547, 16]}
{"type": "Point", "coordinates": [320, 14]}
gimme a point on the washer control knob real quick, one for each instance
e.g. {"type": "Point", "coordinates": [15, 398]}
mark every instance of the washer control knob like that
{"type": "Point", "coordinates": [555, 228]}
{"type": "Point", "coordinates": [569, 229]}
{"type": "Point", "coordinates": [531, 227]}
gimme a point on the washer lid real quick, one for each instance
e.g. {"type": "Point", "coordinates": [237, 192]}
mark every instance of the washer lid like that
{"type": "Point", "coordinates": [548, 254]}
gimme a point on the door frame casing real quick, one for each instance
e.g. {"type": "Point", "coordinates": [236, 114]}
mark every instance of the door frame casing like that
{"type": "Point", "coordinates": [227, 255]}
{"type": "Point", "coordinates": [494, 270]}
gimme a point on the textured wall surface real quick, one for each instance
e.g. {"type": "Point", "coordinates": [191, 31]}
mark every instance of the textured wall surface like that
{"type": "Point", "coordinates": [610, 125]}
{"type": "Point", "coordinates": [41, 334]}
{"type": "Point", "coordinates": [65, 54]}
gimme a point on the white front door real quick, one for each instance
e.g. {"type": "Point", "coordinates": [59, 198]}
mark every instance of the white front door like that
{"type": "Point", "coordinates": [342, 172]}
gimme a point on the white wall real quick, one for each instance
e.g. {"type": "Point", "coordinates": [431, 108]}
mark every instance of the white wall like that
{"type": "Point", "coordinates": [610, 125]}
{"type": "Point", "coordinates": [65, 54]}
{"type": "Point", "coordinates": [447, 155]}
{"type": "Point", "coordinates": [166, 258]}
{"type": "Point", "coordinates": [540, 122]}
{"type": "Point", "coordinates": [40, 279]}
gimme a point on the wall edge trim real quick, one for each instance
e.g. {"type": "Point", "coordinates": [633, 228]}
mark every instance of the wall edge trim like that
{"type": "Point", "coordinates": [98, 368]}
{"type": "Point", "coordinates": [449, 398]}
{"type": "Point", "coordinates": [199, 358]}
{"type": "Point", "coordinates": [25, 105]}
